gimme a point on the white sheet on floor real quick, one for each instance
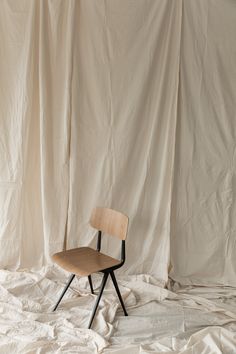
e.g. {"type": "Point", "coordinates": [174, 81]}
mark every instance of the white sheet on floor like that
{"type": "Point", "coordinates": [189, 320]}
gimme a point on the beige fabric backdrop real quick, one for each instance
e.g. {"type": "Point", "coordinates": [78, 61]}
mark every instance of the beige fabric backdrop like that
{"type": "Point", "coordinates": [88, 112]}
{"type": "Point", "coordinates": [203, 204]}
{"type": "Point", "coordinates": [123, 126]}
{"type": "Point", "coordinates": [35, 103]}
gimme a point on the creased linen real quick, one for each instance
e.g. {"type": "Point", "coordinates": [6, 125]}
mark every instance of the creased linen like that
{"type": "Point", "coordinates": [88, 118]}
{"type": "Point", "coordinates": [122, 143]}
{"type": "Point", "coordinates": [105, 103]}
{"type": "Point", "coordinates": [188, 320]}
{"type": "Point", "coordinates": [203, 219]}
{"type": "Point", "coordinates": [35, 113]}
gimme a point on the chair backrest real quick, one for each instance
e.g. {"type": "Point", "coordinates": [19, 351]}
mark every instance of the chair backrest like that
{"type": "Point", "coordinates": [110, 221]}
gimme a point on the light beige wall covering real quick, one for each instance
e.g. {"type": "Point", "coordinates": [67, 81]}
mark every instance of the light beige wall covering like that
{"type": "Point", "coordinates": [35, 102]}
{"type": "Point", "coordinates": [203, 225]}
{"type": "Point", "coordinates": [123, 129]}
{"type": "Point", "coordinates": [90, 99]}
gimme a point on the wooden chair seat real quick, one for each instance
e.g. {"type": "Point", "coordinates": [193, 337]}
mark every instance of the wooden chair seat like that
{"type": "Point", "coordinates": [84, 261]}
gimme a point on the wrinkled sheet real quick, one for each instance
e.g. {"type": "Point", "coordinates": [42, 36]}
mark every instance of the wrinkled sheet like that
{"type": "Point", "coordinates": [126, 104]}
{"type": "Point", "coordinates": [189, 320]}
{"type": "Point", "coordinates": [87, 118]}
{"type": "Point", "coordinates": [203, 222]}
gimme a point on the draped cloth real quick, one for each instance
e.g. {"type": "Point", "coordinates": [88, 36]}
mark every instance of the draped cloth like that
{"type": "Point", "coordinates": [124, 104]}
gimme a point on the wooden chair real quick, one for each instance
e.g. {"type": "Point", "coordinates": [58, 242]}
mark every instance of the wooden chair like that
{"type": "Point", "coordinates": [84, 261]}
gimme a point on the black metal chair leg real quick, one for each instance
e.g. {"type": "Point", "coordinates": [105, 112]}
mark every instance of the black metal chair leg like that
{"type": "Point", "coordinates": [118, 292]}
{"type": "Point", "coordinates": [104, 280]}
{"type": "Point", "coordinates": [91, 284]}
{"type": "Point", "coordinates": [64, 291]}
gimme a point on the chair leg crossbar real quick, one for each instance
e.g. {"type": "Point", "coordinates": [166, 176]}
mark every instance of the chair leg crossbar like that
{"type": "Point", "coordinates": [104, 280]}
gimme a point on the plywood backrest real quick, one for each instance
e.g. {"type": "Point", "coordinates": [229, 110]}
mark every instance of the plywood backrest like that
{"type": "Point", "coordinates": [110, 221]}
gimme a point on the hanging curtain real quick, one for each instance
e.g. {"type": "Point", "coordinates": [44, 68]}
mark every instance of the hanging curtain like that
{"type": "Point", "coordinates": [125, 104]}
{"type": "Point", "coordinates": [36, 60]}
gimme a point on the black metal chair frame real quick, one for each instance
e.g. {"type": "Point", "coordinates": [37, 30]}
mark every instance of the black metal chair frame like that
{"type": "Point", "coordinates": [106, 272]}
